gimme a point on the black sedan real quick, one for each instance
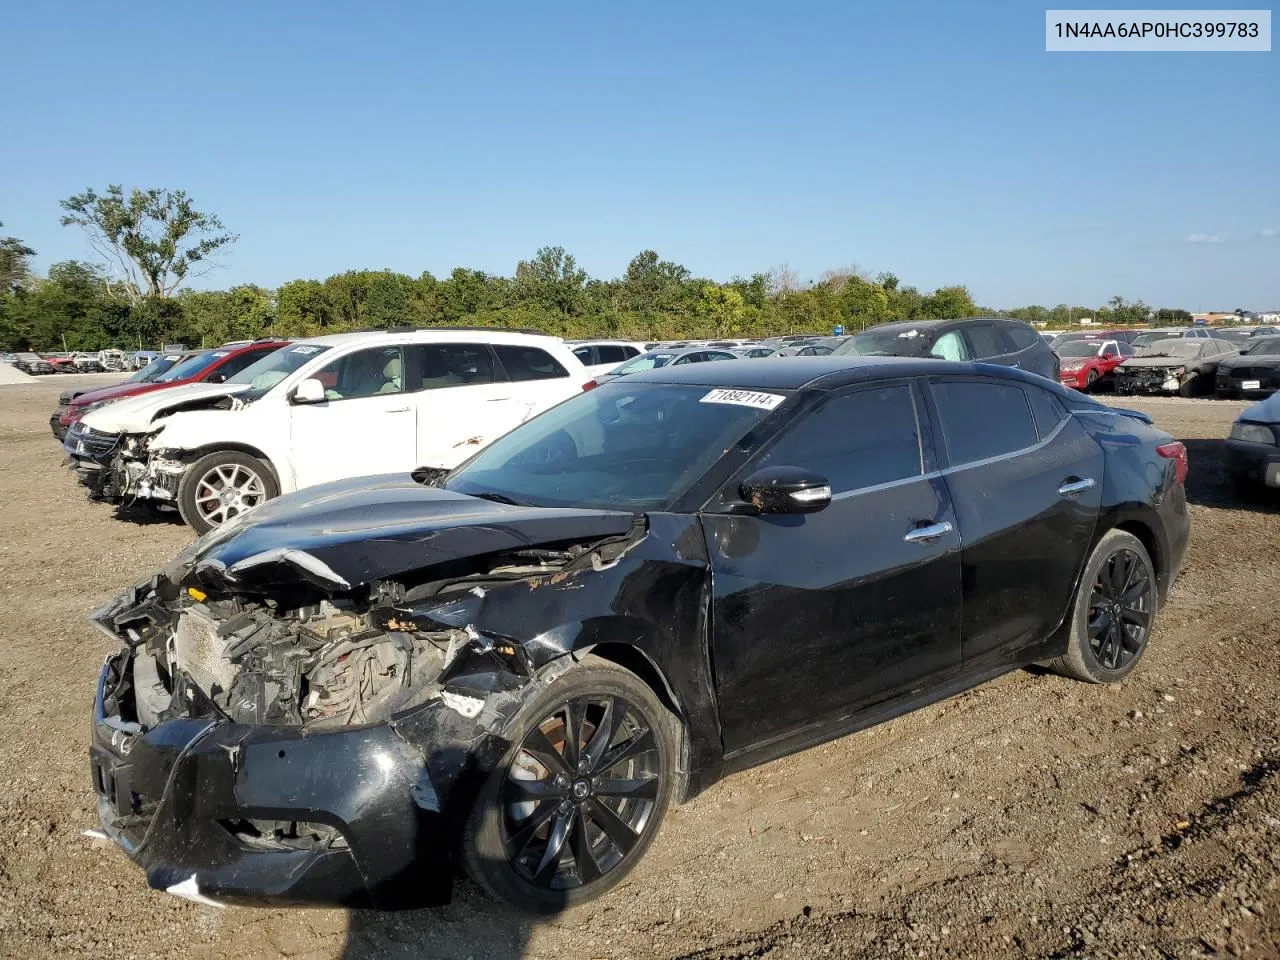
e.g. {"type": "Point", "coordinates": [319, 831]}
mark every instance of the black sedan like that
{"type": "Point", "coordinates": [1253, 448]}
{"type": "Point", "coordinates": [516, 666]}
{"type": "Point", "coordinates": [1254, 373]}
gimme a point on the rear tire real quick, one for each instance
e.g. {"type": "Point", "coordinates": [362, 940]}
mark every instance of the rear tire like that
{"type": "Point", "coordinates": [1113, 612]}
{"type": "Point", "coordinates": [556, 825]}
{"type": "Point", "coordinates": [247, 480]}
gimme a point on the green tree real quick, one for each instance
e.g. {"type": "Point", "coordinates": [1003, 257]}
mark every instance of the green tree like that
{"type": "Point", "coordinates": [156, 239]}
{"type": "Point", "coordinates": [552, 281]}
{"type": "Point", "coordinates": [947, 302]}
{"type": "Point", "coordinates": [14, 269]}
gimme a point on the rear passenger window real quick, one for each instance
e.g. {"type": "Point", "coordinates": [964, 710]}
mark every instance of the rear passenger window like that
{"type": "Point", "coordinates": [1047, 410]}
{"type": "Point", "coordinates": [856, 440]}
{"type": "Point", "coordinates": [986, 341]}
{"type": "Point", "coordinates": [982, 419]}
{"type": "Point", "coordinates": [1022, 337]}
{"type": "Point", "coordinates": [528, 363]}
{"type": "Point", "coordinates": [584, 354]}
{"type": "Point", "coordinates": [612, 354]}
{"type": "Point", "coordinates": [438, 365]}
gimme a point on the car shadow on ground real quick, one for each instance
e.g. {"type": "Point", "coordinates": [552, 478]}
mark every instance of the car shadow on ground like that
{"type": "Point", "coordinates": [471, 926]}
{"type": "Point", "coordinates": [1209, 485]}
{"type": "Point", "coordinates": [145, 516]}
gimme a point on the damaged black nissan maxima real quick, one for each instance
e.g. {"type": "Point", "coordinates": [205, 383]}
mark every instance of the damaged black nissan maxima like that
{"type": "Point", "coordinates": [347, 694]}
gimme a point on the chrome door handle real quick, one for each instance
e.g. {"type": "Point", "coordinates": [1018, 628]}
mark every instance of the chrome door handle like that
{"type": "Point", "coordinates": [1072, 487]}
{"type": "Point", "coordinates": [397, 410]}
{"type": "Point", "coordinates": [926, 533]}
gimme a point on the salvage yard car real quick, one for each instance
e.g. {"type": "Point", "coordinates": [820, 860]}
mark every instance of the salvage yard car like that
{"type": "Point", "coordinates": [1182, 365]}
{"type": "Point", "coordinates": [1007, 342]}
{"type": "Point", "coordinates": [1254, 373]}
{"type": "Point", "coordinates": [1088, 364]}
{"type": "Point", "coordinates": [208, 366]}
{"type": "Point", "coordinates": [347, 405]}
{"type": "Point", "coordinates": [1253, 448]}
{"type": "Point", "coordinates": [519, 664]}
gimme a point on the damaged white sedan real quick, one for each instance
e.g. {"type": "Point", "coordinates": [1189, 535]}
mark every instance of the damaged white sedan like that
{"type": "Point", "coordinates": [325, 409]}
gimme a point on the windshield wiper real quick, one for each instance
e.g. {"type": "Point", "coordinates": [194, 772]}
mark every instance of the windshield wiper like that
{"type": "Point", "coordinates": [498, 498]}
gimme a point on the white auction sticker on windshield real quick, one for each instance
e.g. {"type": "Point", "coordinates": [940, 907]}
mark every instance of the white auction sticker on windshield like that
{"type": "Point", "coordinates": [744, 398]}
{"type": "Point", "coordinates": [305, 349]}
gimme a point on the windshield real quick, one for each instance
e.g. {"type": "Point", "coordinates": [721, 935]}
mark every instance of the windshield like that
{"type": "Point", "coordinates": [1146, 339]}
{"type": "Point", "coordinates": [1270, 345]}
{"type": "Point", "coordinates": [191, 367]}
{"type": "Point", "coordinates": [273, 368]}
{"type": "Point", "coordinates": [888, 343]}
{"type": "Point", "coordinates": [1173, 348]}
{"type": "Point", "coordinates": [646, 361]}
{"type": "Point", "coordinates": [625, 446]}
{"type": "Point", "coordinates": [1079, 348]}
{"type": "Point", "coordinates": [156, 367]}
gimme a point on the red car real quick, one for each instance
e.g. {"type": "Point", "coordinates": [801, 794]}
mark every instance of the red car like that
{"type": "Point", "coordinates": [210, 366]}
{"type": "Point", "coordinates": [1086, 364]}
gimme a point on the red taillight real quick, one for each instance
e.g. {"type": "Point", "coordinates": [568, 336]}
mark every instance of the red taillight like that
{"type": "Point", "coordinates": [589, 385]}
{"type": "Point", "coordinates": [1177, 452]}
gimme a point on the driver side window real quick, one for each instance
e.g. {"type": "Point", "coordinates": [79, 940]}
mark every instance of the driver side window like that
{"type": "Point", "coordinates": [950, 346]}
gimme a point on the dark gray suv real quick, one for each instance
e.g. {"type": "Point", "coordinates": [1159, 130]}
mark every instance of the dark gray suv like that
{"type": "Point", "coordinates": [988, 339]}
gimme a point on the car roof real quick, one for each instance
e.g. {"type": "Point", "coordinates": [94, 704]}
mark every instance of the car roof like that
{"type": "Point", "coordinates": [429, 335]}
{"type": "Point", "coordinates": [792, 373]}
{"type": "Point", "coordinates": [931, 324]}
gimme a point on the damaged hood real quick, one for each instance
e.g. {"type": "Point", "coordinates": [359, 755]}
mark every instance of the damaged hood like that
{"type": "Point", "coordinates": [345, 534]}
{"type": "Point", "coordinates": [1149, 362]}
{"type": "Point", "coordinates": [136, 414]}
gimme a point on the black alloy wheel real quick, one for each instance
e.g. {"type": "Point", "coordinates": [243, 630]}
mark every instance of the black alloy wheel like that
{"type": "Point", "coordinates": [580, 792]}
{"type": "Point", "coordinates": [1113, 612]}
{"type": "Point", "coordinates": [1120, 610]}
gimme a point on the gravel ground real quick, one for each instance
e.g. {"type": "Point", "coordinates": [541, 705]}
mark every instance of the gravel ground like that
{"type": "Point", "coordinates": [1035, 816]}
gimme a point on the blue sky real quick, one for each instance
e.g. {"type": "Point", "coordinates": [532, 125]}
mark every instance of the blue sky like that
{"type": "Point", "coordinates": [936, 140]}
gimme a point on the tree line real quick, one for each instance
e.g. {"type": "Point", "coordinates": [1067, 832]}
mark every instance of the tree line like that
{"type": "Point", "coordinates": [151, 243]}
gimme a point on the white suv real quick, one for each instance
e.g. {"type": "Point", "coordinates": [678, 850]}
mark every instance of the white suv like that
{"type": "Point", "coordinates": [328, 408]}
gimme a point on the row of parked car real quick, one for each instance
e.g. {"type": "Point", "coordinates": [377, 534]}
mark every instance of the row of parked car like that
{"type": "Point", "coordinates": [213, 433]}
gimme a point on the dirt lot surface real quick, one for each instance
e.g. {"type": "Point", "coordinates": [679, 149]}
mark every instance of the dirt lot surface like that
{"type": "Point", "coordinates": [1035, 816]}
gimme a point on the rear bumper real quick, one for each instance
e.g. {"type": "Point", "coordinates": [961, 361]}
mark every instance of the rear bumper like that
{"type": "Point", "coordinates": [1254, 462]}
{"type": "Point", "coordinates": [178, 798]}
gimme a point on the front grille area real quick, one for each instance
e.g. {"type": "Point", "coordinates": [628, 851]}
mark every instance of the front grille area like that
{"type": "Point", "coordinates": [84, 441]}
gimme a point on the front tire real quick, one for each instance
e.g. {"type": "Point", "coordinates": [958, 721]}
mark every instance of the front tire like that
{"type": "Point", "coordinates": [1113, 612]}
{"type": "Point", "coordinates": [221, 485]}
{"type": "Point", "coordinates": [579, 795]}
{"type": "Point", "coordinates": [1190, 386]}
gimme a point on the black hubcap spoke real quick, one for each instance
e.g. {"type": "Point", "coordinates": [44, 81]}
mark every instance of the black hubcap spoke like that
{"type": "Point", "coordinates": [580, 792]}
{"type": "Point", "coordinates": [1119, 614]}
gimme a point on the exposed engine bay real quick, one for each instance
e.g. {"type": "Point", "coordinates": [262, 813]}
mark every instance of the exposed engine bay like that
{"type": "Point", "coordinates": [298, 655]}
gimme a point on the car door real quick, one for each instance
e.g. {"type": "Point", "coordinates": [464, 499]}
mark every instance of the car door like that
{"type": "Point", "coordinates": [537, 381]}
{"type": "Point", "coordinates": [816, 617]}
{"type": "Point", "coordinates": [365, 425]}
{"type": "Point", "coordinates": [1026, 483]}
{"type": "Point", "coordinates": [463, 401]}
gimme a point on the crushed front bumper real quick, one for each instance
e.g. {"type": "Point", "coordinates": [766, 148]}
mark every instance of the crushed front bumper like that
{"type": "Point", "coordinates": [177, 799]}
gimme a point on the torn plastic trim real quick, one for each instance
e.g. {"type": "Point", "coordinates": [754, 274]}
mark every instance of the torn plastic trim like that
{"type": "Point", "coordinates": [189, 889]}
{"type": "Point", "coordinates": [311, 566]}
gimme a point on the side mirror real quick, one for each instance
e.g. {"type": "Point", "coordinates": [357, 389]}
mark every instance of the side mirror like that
{"type": "Point", "coordinates": [786, 490]}
{"type": "Point", "coordinates": [310, 390]}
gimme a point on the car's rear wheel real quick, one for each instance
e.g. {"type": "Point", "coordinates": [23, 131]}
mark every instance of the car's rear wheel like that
{"type": "Point", "coordinates": [1113, 612]}
{"type": "Point", "coordinates": [579, 795]}
{"type": "Point", "coordinates": [222, 485]}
